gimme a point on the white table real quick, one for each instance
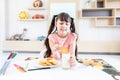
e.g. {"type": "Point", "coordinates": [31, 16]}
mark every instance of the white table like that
{"type": "Point", "coordinates": [81, 72]}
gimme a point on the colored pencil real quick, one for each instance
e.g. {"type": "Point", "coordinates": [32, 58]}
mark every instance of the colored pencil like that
{"type": "Point", "coordinates": [10, 56]}
{"type": "Point", "coordinates": [7, 62]}
{"type": "Point", "coordinates": [39, 68]}
{"type": "Point", "coordinates": [4, 67]}
{"type": "Point", "coordinates": [21, 69]}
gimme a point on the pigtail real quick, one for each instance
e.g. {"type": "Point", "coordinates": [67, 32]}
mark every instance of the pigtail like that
{"type": "Point", "coordinates": [72, 27]}
{"type": "Point", "coordinates": [52, 25]}
{"type": "Point", "coordinates": [51, 28]}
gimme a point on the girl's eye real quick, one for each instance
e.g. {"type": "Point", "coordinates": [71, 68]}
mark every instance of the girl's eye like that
{"type": "Point", "coordinates": [61, 23]}
{"type": "Point", "coordinates": [66, 23]}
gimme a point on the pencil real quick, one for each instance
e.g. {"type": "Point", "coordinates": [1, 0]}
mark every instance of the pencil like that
{"type": "Point", "coordinates": [39, 68]}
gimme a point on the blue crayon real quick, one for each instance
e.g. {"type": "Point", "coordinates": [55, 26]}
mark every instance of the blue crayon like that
{"type": "Point", "coordinates": [4, 67]}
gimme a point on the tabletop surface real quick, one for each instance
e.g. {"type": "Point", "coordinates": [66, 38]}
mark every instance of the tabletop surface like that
{"type": "Point", "coordinates": [80, 72]}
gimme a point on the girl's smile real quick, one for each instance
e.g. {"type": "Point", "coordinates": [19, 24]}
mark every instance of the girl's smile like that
{"type": "Point", "coordinates": [63, 29]}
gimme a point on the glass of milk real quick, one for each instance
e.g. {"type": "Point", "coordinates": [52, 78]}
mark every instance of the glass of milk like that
{"type": "Point", "coordinates": [65, 61]}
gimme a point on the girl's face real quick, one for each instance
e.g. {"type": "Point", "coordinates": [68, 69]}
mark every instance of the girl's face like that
{"type": "Point", "coordinates": [62, 27]}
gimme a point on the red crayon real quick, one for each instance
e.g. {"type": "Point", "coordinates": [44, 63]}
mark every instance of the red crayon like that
{"type": "Point", "coordinates": [10, 56]}
{"type": "Point", "coordinates": [21, 69]}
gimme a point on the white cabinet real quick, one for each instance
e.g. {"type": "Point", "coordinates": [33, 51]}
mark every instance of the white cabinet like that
{"type": "Point", "coordinates": [106, 13]}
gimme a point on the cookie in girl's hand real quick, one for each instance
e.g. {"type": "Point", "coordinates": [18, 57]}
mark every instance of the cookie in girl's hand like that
{"type": "Point", "coordinates": [64, 49]}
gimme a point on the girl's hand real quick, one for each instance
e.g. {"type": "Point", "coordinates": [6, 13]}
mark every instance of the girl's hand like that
{"type": "Point", "coordinates": [72, 62]}
{"type": "Point", "coordinates": [56, 47]}
{"type": "Point", "coordinates": [56, 50]}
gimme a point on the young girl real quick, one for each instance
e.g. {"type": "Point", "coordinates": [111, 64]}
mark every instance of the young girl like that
{"type": "Point", "coordinates": [61, 33]}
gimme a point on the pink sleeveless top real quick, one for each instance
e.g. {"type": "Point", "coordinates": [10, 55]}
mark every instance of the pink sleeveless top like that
{"type": "Point", "coordinates": [67, 41]}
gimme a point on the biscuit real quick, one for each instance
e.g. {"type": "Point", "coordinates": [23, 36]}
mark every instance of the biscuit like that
{"type": "Point", "coordinates": [48, 62]}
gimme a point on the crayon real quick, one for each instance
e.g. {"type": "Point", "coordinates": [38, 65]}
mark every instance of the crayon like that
{"type": "Point", "coordinates": [5, 66]}
{"type": "Point", "coordinates": [21, 69]}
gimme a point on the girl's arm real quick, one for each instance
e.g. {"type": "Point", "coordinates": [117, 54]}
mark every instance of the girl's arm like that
{"type": "Point", "coordinates": [72, 54]}
{"type": "Point", "coordinates": [72, 49]}
{"type": "Point", "coordinates": [55, 49]}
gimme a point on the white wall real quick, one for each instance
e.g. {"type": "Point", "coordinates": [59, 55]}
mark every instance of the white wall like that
{"type": "Point", "coordinates": [14, 26]}
{"type": "Point", "coordinates": [2, 23]}
{"type": "Point", "coordinates": [87, 32]}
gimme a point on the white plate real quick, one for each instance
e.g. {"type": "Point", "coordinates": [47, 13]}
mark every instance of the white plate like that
{"type": "Point", "coordinates": [35, 64]}
{"type": "Point", "coordinates": [40, 66]}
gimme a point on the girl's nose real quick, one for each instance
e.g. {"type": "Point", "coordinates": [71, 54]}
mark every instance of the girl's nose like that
{"type": "Point", "coordinates": [64, 25]}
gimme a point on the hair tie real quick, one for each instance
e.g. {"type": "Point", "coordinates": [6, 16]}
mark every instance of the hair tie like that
{"type": "Point", "coordinates": [55, 15]}
{"type": "Point", "coordinates": [72, 18]}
